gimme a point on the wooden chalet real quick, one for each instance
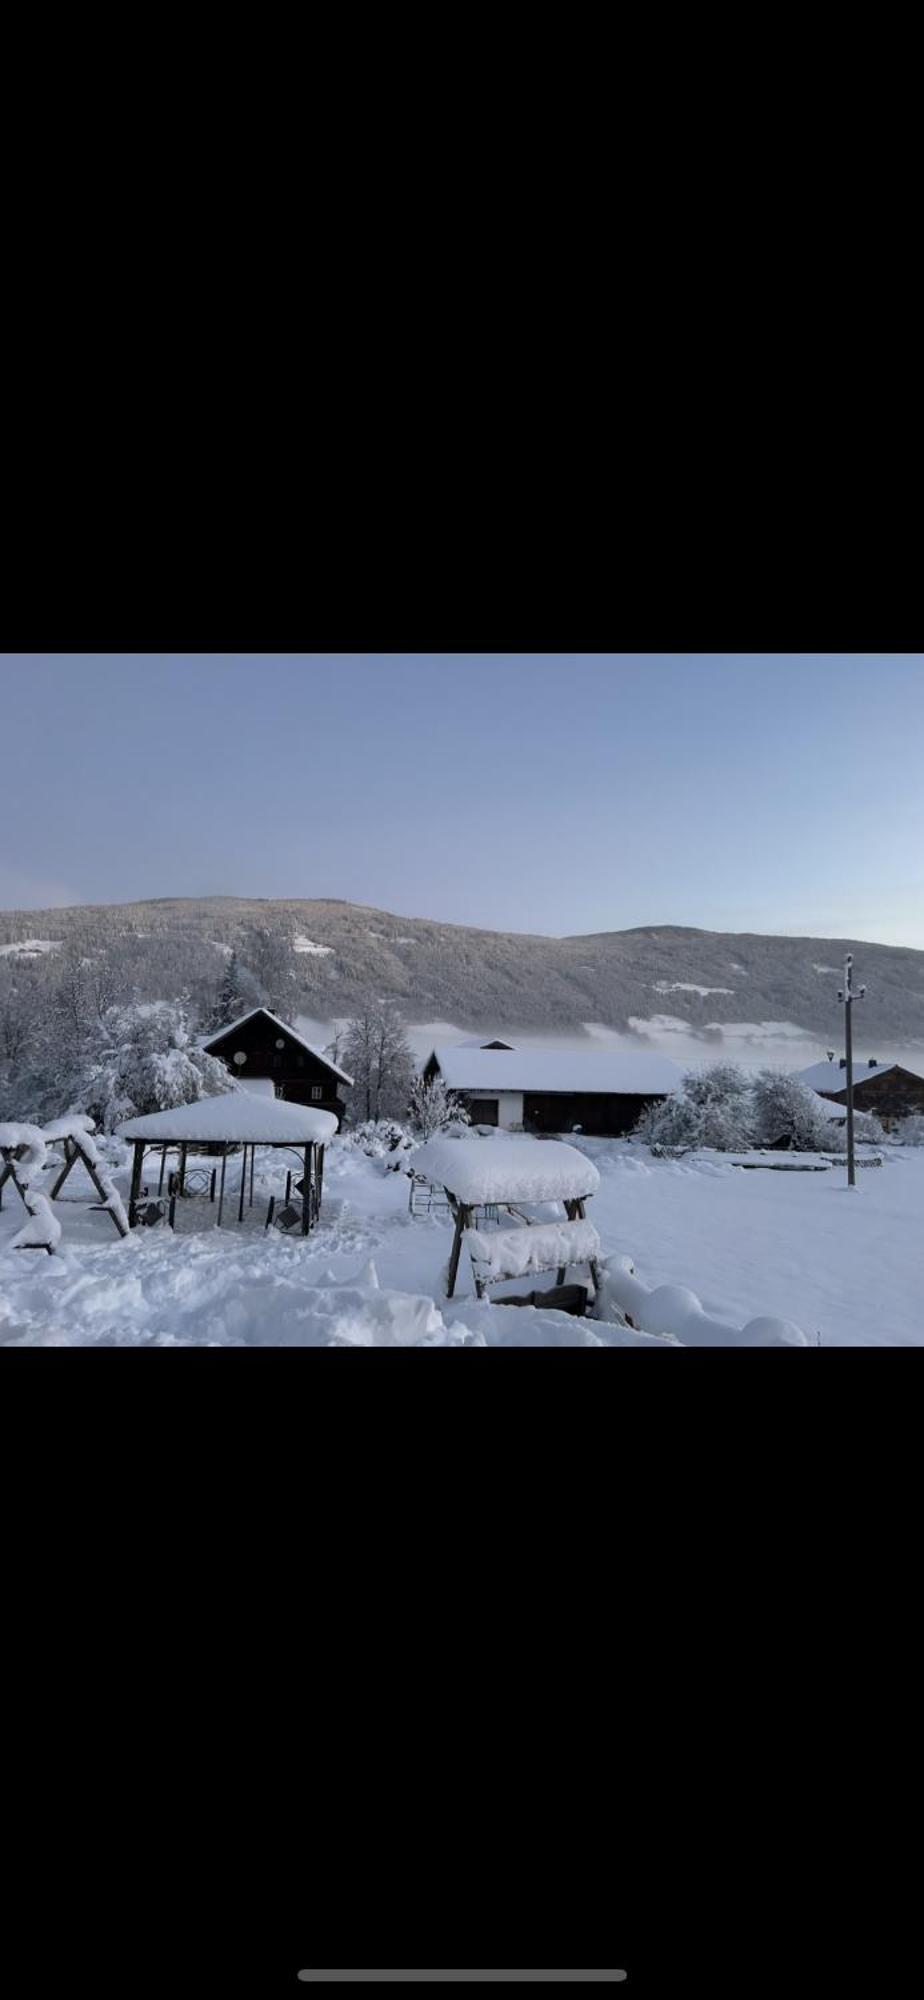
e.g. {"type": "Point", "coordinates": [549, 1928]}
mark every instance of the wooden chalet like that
{"type": "Point", "coordinates": [261, 1050]}
{"type": "Point", "coordinates": [887, 1089]}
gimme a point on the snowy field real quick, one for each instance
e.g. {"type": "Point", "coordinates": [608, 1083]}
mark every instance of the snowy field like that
{"type": "Point", "coordinates": [845, 1266]}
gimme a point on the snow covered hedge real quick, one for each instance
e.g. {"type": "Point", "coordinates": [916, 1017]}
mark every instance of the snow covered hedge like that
{"type": "Point", "coordinates": [713, 1107]}
{"type": "Point", "coordinates": [729, 1111]}
{"type": "Point", "coordinates": [908, 1131]}
{"type": "Point", "coordinates": [380, 1139]}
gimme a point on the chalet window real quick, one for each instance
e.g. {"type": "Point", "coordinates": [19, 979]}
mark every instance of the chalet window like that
{"type": "Point", "coordinates": [301, 1061]}
{"type": "Point", "coordinates": [317, 1091]}
{"type": "Point", "coordinates": [277, 1062]}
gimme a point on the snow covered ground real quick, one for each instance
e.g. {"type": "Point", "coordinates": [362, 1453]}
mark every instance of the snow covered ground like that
{"type": "Point", "coordinates": [844, 1266]}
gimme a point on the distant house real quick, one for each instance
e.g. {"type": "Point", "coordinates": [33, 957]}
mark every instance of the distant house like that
{"type": "Point", "coordinates": [553, 1090]}
{"type": "Point", "coordinates": [265, 1054]}
{"type": "Point", "coordinates": [887, 1089]}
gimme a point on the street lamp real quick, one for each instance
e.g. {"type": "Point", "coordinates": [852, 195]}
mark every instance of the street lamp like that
{"type": "Point", "coordinates": [846, 996]}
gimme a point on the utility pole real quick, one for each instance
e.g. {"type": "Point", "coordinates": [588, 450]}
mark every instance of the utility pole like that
{"type": "Point", "coordinates": [847, 997]}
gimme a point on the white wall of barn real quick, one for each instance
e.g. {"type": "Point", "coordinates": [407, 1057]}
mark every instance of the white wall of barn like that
{"type": "Point", "coordinates": [509, 1106]}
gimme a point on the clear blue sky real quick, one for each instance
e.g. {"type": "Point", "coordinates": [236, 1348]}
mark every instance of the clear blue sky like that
{"type": "Point", "coordinates": [555, 793]}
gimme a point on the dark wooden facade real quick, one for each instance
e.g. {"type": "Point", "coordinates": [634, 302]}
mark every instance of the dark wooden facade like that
{"type": "Point", "coordinates": [270, 1049]}
{"type": "Point", "coordinates": [891, 1093]}
{"type": "Point", "coordinates": [601, 1114]}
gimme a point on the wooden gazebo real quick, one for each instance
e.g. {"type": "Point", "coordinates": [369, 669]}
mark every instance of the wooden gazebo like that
{"type": "Point", "coordinates": [237, 1119]}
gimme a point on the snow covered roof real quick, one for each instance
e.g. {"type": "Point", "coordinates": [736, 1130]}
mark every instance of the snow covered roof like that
{"type": "Point", "coordinates": [827, 1109]}
{"type": "Point", "coordinates": [611, 1071]}
{"type": "Point", "coordinates": [259, 1086]}
{"type": "Point", "coordinates": [237, 1117]}
{"type": "Point", "coordinates": [210, 1040]}
{"type": "Point", "coordinates": [830, 1076]}
{"type": "Point", "coordinates": [498, 1045]}
{"type": "Point", "coordinates": [485, 1170]}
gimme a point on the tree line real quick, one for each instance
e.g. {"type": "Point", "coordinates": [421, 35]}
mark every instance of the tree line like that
{"type": "Point", "coordinates": [88, 1028]}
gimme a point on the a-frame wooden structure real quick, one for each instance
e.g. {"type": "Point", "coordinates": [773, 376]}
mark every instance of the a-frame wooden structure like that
{"type": "Point", "coordinates": [78, 1146]}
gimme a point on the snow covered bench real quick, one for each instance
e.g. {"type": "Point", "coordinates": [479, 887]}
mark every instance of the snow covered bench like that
{"type": "Point", "coordinates": [480, 1174]}
{"type": "Point", "coordinates": [500, 1255]}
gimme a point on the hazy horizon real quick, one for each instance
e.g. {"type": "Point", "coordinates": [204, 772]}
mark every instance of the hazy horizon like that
{"type": "Point", "coordinates": [548, 795]}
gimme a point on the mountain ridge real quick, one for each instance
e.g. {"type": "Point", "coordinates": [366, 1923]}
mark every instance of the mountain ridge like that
{"type": "Point", "coordinates": [646, 981]}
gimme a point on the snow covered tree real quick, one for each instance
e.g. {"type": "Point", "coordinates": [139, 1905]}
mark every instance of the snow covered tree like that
{"type": "Point", "coordinates": [867, 1129]}
{"type": "Point", "coordinates": [268, 955]}
{"type": "Point", "coordinates": [377, 1055]}
{"type": "Point", "coordinates": [432, 1108]}
{"type": "Point", "coordinates": [711, 1108]}
{"type": "Point", "coordinates": [143, 1059]}
{"type": "Point", "coordinates": [784, 1108]}
{"type": "Point", "coordinates": [335, 1048]}
{"type": "Point", "coordinates": [908, 1131]}
{"type": "Point", "coordinates": [17, 1019]}
{"type": "Point", "coordinates": [230, 1001]}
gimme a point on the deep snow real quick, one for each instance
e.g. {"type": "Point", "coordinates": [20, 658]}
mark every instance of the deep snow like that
{"type": "Point", "coordinates": [843, 1265]}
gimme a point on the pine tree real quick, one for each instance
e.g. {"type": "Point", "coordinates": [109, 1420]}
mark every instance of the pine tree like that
{"type": "Point", "coordinates": [229, 1000]}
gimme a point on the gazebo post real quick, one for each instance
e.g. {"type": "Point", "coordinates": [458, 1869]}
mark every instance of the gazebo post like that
{"type": "Point", "coordinates": [571, 1211]}
{"type": "Point", "coordinates": [137, 1163]}
{"type": "Point", "coordinates": [163, 1168]}
{"type": "Point", "coordinates": [221, 1192]}
{"type": "Point", "coordinates": [182, 1182]}
{"type": "Point", "coordinates": [252, 1156]}
{"type": "Point", "coordinates": [306, 1192]}
{"type": "Point", "coordinates": [240, 1206]}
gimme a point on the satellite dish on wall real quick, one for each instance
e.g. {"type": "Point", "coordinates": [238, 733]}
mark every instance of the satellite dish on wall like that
{"type": "Point", "coordinates": [280, 1044]}
{"type": "Point", "coordinates": [240, 1058]}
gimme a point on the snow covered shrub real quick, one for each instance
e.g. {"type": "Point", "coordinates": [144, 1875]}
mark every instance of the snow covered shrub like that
{"type": "Point", "coordinates": [908, 1131]}
{"type": "Point", "coordinates": [432, 1108]}
{"type": "Point", "coordinates": [711, 1108]}
{"type": "Point", "coordinates": [143, 1059]}
{"type": "Point", "coordinates": [866, 1127]}
{"type": "Point", "coordinates": [380, 1139]}
{"type": "Point", "coordinates": [784, 1108]}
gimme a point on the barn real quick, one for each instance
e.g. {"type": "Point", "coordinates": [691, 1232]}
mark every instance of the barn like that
{"type": "Point", "coordinates": [888, 1089]}
{"type": "Point", "coordinates": [265, 1053]}
{"type": "Point", "coordinates": [601, 1091]}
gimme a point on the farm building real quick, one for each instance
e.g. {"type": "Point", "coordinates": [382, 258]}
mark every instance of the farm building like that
{"type": "Point", "coordinates": [267, 1055]}
{"type": "Point", "coordinates": [887, 1089]}
{"type": "Point", "coordinates": [602, 1091]}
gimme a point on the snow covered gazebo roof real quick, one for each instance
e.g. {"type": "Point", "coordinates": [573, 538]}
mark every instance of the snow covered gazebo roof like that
{"type": "Point", "coordinates": [238, 1117]}
{"type": "Point", "coordinates": [482, 1171]}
